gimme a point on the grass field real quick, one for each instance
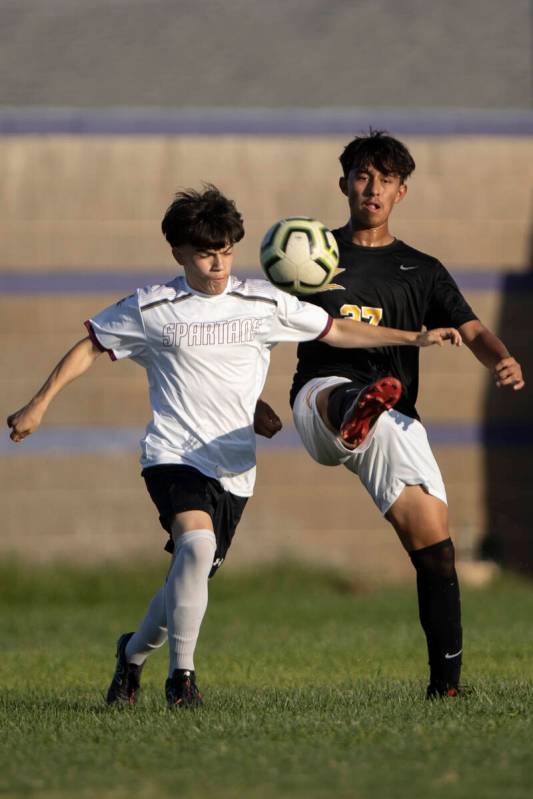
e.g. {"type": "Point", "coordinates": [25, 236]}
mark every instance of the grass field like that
{"type": "Point", "coordinates": [312, 688]}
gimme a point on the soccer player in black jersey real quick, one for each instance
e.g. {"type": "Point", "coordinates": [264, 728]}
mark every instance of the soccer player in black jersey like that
{"type": "Point", "coordinates": [338, 396]}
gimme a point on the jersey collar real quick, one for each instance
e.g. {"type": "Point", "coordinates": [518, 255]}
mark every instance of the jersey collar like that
{"type": "Point", "coordinates": [183, 283]}
{"type": "Point", "coordinates": [361, 247]}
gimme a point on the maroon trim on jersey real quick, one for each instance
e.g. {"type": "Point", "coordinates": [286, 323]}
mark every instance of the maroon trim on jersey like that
{"type": "Point", "coordinates": [326, 329]}
{"type": "Point", "coordinates": [92, 336]}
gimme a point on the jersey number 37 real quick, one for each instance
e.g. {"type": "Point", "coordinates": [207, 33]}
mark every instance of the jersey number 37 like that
{"type": "Point", "coordinates": [363, 313]}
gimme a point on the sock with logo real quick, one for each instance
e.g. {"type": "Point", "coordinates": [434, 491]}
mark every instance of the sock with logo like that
{"type": "Point", "coordinates": [439, 606]}
{"type": "Point", "coordinates": [151, 633]}
{"type": "Point", "coordinates": [186, 595]}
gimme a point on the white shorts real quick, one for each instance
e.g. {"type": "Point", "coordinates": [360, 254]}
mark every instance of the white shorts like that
{"type": "Point", "coordinates": [395, 453]}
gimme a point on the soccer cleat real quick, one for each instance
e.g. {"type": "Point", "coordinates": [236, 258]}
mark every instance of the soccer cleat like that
{"type": "Point", "coordinates": [126, 682]}
{"type": "Point", "coordinates": [373, 400]}
{"type": "Point", "coordinates": [443, 691]}
{"type": "Point", "coordinates": [181, 690]}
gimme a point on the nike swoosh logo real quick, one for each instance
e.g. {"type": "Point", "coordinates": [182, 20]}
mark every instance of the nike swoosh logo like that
{"type": "Point", "coordinates": [455, 655]}
{"type": "Point", "coordinates": [407, 268]}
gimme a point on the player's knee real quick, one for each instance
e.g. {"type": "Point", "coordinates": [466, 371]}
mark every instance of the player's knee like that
{"type": "Point", "coordinates": [419, 518]}
{"type": "Point", "coordinates": [189, 521]}
{"type": "Point", "coordinates": [196, 549]}
{"type": "Point", "coordinates": [436, 561]}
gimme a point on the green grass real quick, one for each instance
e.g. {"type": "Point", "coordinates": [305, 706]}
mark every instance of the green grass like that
{"type": "Point", "coordinates": [312, 689]}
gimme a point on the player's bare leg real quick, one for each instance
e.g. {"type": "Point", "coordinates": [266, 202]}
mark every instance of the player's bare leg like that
{"type": "Point", "coordinates": [421, 522]}
{"type": "Point", "coordinates": [419, 518]}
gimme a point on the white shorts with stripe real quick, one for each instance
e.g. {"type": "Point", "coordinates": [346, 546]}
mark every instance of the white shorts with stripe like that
{"type": "Point", "coordinates": [395, 453]}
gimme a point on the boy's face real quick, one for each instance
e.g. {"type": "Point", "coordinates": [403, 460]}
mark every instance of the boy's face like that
{"type": "Point", "coordinates": [206, 270]}
{"type": "Point", "coordinates": [371, 195]}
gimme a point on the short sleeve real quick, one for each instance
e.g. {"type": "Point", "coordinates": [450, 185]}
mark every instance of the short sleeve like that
{"type": "Point", "coordinates": [295, 320]}
{"type": "Point", "coordinates": [119, 329]}
{"type": "Point", "coordinates": [447, 307]}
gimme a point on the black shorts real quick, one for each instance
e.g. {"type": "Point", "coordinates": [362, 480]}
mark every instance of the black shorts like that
{"type": "Point", "coordinates": [175, 488]}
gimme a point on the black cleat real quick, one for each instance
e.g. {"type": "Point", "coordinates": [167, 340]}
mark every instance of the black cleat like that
{"type": "Point", "coordinates": [126, 682]}
{"type": "Point", "coordinates": [181, 690]}
{"type": "Point", "coordinates": [444, 691]}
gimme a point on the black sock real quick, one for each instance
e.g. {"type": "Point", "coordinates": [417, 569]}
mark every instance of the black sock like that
{"type": "Point", "coordinates": [439, 606]}
{"type": "Point", "coordinates": [339, 402]}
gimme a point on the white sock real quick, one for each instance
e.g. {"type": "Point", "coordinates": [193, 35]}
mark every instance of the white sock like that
{"type": "Point", "coordinates": [151, 633]}
{"type": "Point", "coordinates": [186, 595]}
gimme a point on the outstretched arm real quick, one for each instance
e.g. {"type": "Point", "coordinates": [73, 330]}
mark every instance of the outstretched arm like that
{"type": "Point", "coordinates": [349, 333]}
{"type": "Point", "coordinates": [77, 361]}
{"type": "Point", "coordinates": [493, 354]}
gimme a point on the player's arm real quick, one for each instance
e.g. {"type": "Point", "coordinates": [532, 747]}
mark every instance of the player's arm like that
{"type": "Point", "coordinates": [76, 361]}
{"type": "Point", "coordinates": [493, 354]}
{"type": "Point", "coordinates": [266, 421]}
{"type": "Point", "coordinates": [349, 333]}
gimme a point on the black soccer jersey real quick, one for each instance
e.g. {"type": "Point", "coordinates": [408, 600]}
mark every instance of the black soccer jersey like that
{"type": "Point", "coordinates": [396, 286]}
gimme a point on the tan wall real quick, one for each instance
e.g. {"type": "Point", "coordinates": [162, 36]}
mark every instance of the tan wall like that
{"type": "Point", "coordinates": [70, 202]}
{"type": "Point", "coordinates": [96, 203]}
{"type": "Point", "coordinates": [93, 507]}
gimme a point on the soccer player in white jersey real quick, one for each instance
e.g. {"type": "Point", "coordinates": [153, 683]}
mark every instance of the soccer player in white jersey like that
{"type": "Point", "coordinates": [204, 339]}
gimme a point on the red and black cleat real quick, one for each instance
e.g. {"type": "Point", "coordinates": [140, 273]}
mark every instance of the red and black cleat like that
{"type": "Point", "coordinates": [126, 683]}
{"type": "Point", "coordinates": [443, 691]}
{"type": "Point", "coordinates": [371, 402]}
{"type": "Point", "coordinates": [181, 690]}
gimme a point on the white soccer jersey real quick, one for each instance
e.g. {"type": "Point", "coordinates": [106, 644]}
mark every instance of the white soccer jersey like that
{"type": "Point", "coordinates": [206, 358]}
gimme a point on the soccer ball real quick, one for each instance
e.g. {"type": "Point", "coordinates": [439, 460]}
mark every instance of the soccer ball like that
{"type": "Point", "coordinates": [299, 255]}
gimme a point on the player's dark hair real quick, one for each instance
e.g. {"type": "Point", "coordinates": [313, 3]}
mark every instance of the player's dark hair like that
{"type": "Point", "coordinates": [206, 220]}
{"type": "Point", "coordinates": [386, 154]}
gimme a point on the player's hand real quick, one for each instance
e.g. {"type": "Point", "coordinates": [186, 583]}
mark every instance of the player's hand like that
{"type": "Point", "coordinates": [266, 421]}
{"type": "Point", "coordinates": [438, 336]}
{"type": "Point", "coordinates": [24, 422]}
{"type": "Point", "coordinates": [508, 372]}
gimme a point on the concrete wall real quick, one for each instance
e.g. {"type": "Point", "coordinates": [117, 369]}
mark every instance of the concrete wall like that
{"type": "Point", "coordinates": [469, 53]}
{"type": "Point", "coordinates": [81, 203]}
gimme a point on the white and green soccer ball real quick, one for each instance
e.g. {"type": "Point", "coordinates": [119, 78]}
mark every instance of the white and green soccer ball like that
{"type": "Point", "coordinates": [299, 255]}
